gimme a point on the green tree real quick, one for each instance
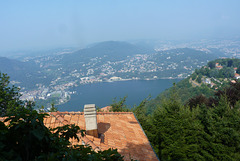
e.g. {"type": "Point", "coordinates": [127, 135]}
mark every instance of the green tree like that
{"type": "Point", "coordinates": [194, 76]}
{"type": "Point", "coordinates": [238, 70]}
{"type": "Point", "coordinates": [142, 115]}
{"type": "Point", "coordinates": [226, 72]}
{"type": "Point", "coordinates": [207, 130]}
{"type": "Point", "coordinates": [230, 63]}
{"type": "Point", "coordinates": [9, 96]}
{"type": "Point", "coordinates": [177, 132]}
{"type": "Point", "coordinates": [232, 93]}
{"type": "Point", "coordinates": [211, 64]}
{"type": "Point", "coordinates": [41, 109]}
{"type": "Point", "coordinates": [222, 130]}
{"type": "Point", "coordinates": [213, 73]}
{"type": "Point", "coordinates": [53, 108]}
{"type": "Point", "coordinates": [119, 106]}
{"type": "Point", "coordinates": [197, 100]}
{"type": "Point", "coordinates": [199, 78]}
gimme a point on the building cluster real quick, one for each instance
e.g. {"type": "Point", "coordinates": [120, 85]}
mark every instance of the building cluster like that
{"type": "Point", "coordinates": [58, 93]}
{"type": "Point", "coordinates": [210, 81]}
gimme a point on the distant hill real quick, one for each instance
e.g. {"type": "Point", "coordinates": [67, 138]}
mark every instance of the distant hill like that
{"type": "Point", "coordinates": [9, 65]}
{"type": "Point", "coordinates": [24, 72]}
{"type": "Point", "coordinates": [176, 63]}
{"type": "Point", "coordinates": [113, 50]}
{"type": "Point", "coordinates": [15, 68]}
{"type": "Point", "coordinates": [181, 54]}
{"type": "Point", "coordinates": [181, 62]}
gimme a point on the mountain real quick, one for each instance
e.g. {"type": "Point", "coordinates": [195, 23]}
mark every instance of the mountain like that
{"type": "Point", "coordinates": [181, 54]}
{"type": "Point", "coordinates": [113, 50]}
{"type": "Point", "coordinates": [180, 62]}
{"type": "Point", "coordinates": [15, 68]}
{"type": "Point", "coordinates": [27, 73]}
{"type": "Point", "coordinates": [116, 49]}
{"type": "Point", "coordinates": [127, 61]}
{"type": "Point", "coordinates": [10, 65]}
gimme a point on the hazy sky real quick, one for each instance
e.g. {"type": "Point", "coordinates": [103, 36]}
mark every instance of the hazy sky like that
{"type": "Point", "coordinates": [48, 24]}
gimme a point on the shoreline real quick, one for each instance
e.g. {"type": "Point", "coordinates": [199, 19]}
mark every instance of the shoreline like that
{"type": "Point", "coordinates": [122, 80]}
{"type": "Point", "coordinates": [72, 91]}
{"type": "Point", "coordinates": [147, 79]}
{"type": "Point", "coordinates": [103, 94]}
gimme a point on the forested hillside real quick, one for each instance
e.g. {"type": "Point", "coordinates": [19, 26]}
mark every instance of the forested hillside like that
{"type": "Point", "coordinates": [199, 117]}
{"type": "Point", "coordinates": [215, 75]}
{"type": "Point", "coordinates": [204, 128]}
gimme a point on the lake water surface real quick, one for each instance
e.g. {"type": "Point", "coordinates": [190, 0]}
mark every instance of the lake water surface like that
{"type": "Point", "coordinates": [102, 94]}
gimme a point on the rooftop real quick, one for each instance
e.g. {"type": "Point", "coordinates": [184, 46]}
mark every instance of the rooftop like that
{"type": "Point", "coordinates": [119, 130]}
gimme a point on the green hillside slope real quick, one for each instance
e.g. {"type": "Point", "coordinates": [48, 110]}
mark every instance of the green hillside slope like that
{"type": "Point", "coordinates": [205, 81]}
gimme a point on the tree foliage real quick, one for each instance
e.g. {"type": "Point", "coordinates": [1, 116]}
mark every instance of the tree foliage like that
{"type": "Point", "coordinates": [238, 70]}
{"type": "Point", "coordinates": [199, 78]}
{"type": "Point", "coordinates": [206, 128]}
{"type": "Point", "coordinates": [119, 106]}
{"type": "Point", "coordinates": [143, 116]}
{"type": "Point", "coordinates": [226, 71]}
{"type": "Point", "coordinates": [194, 76]}
{"type": "Point", "coordinates": [232, 94]}
{"type": "Point", "coordinates": [9, 96]}
{"type": "Point", "coordinates": [53, 108]}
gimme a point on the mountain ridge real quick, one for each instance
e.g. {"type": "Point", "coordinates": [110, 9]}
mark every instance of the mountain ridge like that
{"type": "Point", "coordinates": [114, 50]}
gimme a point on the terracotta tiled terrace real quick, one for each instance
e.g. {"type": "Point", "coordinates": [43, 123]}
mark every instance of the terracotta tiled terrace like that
{"type": "Point", "coordinates": [119, 130]}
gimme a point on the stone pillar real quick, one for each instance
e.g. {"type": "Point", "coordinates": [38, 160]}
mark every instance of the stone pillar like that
{"type": "Point", "coordinates": [90, 115]}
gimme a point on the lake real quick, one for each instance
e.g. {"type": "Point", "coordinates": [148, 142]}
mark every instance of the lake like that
{"type": "Point", "coordinates": [102, 94]}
